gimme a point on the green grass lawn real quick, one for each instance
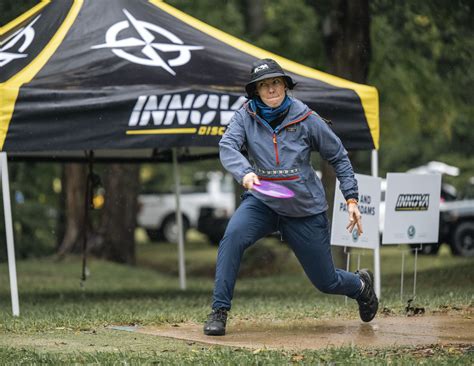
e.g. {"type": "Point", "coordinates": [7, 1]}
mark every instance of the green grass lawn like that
{"type": "Point", "coordinates": [62, 322]}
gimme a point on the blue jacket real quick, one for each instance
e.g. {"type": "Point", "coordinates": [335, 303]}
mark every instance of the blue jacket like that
{"type": "Point", "coordinates": [283, 155]}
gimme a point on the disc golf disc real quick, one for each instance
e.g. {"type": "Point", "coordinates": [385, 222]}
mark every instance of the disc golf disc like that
{"type": "Point", "coordinates": [273, 189]}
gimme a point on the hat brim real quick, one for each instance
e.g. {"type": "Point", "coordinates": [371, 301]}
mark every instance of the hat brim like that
{"type": "Point", "coordinates": [250, 87]}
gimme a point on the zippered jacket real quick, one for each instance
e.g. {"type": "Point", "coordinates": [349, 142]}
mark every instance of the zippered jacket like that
{"type": "Point", "coordinates": [283, 156]}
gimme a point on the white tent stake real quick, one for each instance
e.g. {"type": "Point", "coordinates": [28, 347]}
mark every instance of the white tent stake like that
{"type": "Point", "coordinates": [179, 223]}
{"type": "Point", "coordinates": [7, 210]}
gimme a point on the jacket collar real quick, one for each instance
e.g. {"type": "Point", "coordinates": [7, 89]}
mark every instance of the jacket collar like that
{"type": "Point", "coordinates": [298, 112]}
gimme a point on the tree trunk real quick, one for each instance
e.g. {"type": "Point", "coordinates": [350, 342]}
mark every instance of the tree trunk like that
{"type": "Point", "coordinates": [346, 33]}
{"type": "Point", "coordinates": [119, 213]}
{"type": "Point", "coordinates": [254, 17]}
{"type": "Point", "coordinates": [347, 39]}
{"type": "Point", "coordinates": [74, 187]}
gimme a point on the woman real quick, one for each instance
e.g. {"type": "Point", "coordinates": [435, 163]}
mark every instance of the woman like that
{"type": "Point", "coordinates": [279, 132]}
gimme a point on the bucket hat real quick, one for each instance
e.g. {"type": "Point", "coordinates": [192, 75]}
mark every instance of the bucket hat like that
{"type": "Point", "coordinates": [264, 69]}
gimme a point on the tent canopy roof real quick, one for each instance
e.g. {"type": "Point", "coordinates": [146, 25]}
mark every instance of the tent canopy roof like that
{"type": "Point", "coordinates": [141, 75]}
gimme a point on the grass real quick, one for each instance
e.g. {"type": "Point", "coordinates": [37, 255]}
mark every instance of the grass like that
{"type": "Point", "coordinates": [62, 322]}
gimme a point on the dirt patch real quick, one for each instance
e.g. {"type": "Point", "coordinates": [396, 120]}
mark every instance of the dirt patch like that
{"type": "Point", "coordinates": [317, 334]}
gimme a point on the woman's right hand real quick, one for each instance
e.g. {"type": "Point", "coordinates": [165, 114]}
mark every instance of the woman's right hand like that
{"type": "Point", "coordinates": [249, 180]}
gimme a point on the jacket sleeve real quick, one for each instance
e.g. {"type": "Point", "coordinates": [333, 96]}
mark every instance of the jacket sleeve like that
{"type": "Point", "coordinates": [230, 147]}
{"type": "Point", "coordinates": [330, 147]}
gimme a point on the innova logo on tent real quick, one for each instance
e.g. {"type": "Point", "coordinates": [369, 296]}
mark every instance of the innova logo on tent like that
{"type": "Point", "coordinates": [147, 43]}
{"type": "Point", "coordinates": [207, 114]}
{"type": "Point", "coordinates": [15, 51]}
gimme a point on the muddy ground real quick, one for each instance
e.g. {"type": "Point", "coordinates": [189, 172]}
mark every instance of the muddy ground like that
{"type": "Point", "coordinates": [318, 334]}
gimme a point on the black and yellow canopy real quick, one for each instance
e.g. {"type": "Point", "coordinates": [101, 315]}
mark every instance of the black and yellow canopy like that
{"type": "Point", "coordinates": [137, 74]}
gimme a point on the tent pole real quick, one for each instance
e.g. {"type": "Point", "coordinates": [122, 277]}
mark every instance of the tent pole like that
{"type": "Point", "coordinates": [375, 173]}
{"type": "Point", "coordinates": [179, 222]}
{"type": "Point", "coordinates": [7, 209]}
{"type": "Point", "coordinates": [374, 163]}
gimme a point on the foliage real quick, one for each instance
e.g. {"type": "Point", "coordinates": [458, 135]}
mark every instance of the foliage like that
{"type": "Point", "coordinates": [422, 66]}
{"type": "Point", "coordinates": [34, 208]}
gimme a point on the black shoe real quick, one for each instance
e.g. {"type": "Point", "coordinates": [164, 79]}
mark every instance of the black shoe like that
{"type": "Point", "coordinates": [215, 324]}
{"type": "Point", "coordinates": [368, 302]}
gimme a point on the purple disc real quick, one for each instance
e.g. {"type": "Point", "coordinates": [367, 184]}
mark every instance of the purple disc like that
{"type": "Point", "coordinates": [273, 189]}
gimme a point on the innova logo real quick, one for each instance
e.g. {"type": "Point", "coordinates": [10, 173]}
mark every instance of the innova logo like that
{"type": "Point", "coordinates": [413, 202]}
{"type": "Point", "coordinates": [411, 232]}
{"type": "Point", "coordinates": [208, 114]}
{"type": "Point", "coordinates": [14, 46]}
{"type": "Point", "coordinates": [150, 49]}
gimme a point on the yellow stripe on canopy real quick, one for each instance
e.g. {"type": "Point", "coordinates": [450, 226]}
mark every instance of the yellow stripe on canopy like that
{"type": "Point", "coordinates": [367, 94]}
{"type": "Point", "coordinates": [11, 87]}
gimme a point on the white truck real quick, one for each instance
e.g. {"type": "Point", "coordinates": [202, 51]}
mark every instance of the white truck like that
{"type": "Point", "coordinates": [157, 212]}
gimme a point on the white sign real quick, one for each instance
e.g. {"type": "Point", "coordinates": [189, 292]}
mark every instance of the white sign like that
{"type": "Point", "coordinates": [412, 208]}
{"type": "Point", "coordinates": [369, 206]}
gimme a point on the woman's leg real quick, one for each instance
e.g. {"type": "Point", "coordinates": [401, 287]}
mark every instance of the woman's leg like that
{"type": "Point", "coordinates": [251, 221]}
{"type": "Point", "coordinates": [309, 239]}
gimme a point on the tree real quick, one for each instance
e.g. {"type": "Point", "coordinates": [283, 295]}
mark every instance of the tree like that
{"type": "Point", "coordinates": [74, 191]}
{"type": "Point", "coordinates": [346, 31]}
{"type": "Point", "coordinates": [119, 213]}
{"type": "Point", "coordinates": [254, 18]}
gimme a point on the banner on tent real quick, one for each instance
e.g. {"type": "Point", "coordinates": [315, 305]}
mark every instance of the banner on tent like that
{"type": "Point", "coordinates": [369, 206]}
{"type": "Point", "coordinates": [412, 208]}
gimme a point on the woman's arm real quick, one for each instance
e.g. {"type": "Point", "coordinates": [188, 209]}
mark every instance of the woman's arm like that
{"type": "Point", "coordinates": [230, 148]}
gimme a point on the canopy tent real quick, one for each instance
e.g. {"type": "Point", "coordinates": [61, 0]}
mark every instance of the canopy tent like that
{"type": "Point", "coordinates": [129, 79]}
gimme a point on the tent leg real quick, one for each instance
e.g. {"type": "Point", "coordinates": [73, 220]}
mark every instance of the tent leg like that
{"type": "Point", "coordinates": [374, 163]}
{"type": "Point", "coordinates": [375, 173]}
{"type": "Point", "coordinates": [9, 233]}
{"type": "Point", "coordinates": [179, 222]}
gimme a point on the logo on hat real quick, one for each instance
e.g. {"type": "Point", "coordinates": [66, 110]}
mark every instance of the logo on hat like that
{"type": "Point", "coordinates": [147, 43]}
{"type": "Point", "coordinates": [260, 68]}
{"type": "Point", "coordinates": [27, 34]}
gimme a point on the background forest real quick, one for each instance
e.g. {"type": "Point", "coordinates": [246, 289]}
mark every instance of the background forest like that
{"type": "Point", "coordinates": [420, 60]}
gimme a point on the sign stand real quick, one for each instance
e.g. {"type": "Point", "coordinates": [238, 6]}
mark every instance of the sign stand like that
{"type": "Point", "coordinates": [348, 264]}
{"type": "Point", "coordinates": [402, 274]}
{"type": "Point", "coordinates": [414, 271]}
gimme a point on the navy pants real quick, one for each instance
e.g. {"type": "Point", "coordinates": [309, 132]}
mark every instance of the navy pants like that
{"type": "Point", "coordinates": [308, 237]}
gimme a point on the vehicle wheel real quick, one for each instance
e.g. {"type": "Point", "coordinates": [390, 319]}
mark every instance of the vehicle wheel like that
{"type": "Point", "coordinates": [154, 234]}
{"type": "Point", "coordinates": [169, 229]}
{"type": "Point", "coordinates": [426, 249]}
{"type": "Point", "coordinates": [463, 239]}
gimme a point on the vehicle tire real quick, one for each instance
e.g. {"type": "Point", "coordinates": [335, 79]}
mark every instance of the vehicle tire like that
{"type": "Point", "coordinates": [154, 235]}
{"type": "Point", "coordinates": [463, 239]}
{"type": "Point", "coordinates": [426, 249]}
{"type": "Point", "coordinates": [169, 229]}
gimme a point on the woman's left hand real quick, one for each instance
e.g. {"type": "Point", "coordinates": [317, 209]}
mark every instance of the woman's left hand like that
{"type": "Point", "coordinates": [355, 218]}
